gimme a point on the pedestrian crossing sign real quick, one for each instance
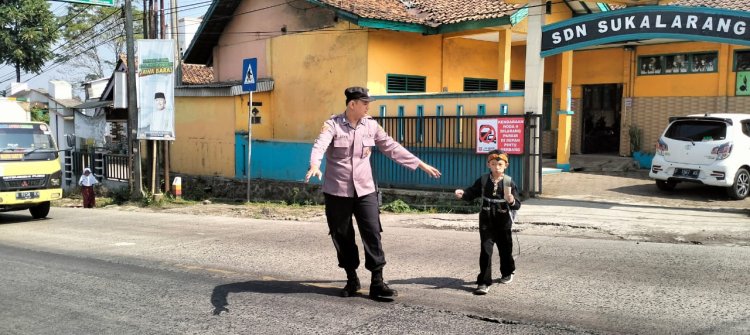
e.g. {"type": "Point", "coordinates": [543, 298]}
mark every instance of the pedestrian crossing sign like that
{"type": "Point", "coordinates": [249, 74]}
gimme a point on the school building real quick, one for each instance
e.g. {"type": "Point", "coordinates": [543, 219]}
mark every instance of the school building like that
{"type": "Point", "coordinates": [443, 59]}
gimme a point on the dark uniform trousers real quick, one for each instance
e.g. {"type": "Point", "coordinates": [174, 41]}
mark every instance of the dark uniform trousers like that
{"type": "Point", "coordinates": [492, 230]}
{"type": "Point", "coordinates": [339, 212]}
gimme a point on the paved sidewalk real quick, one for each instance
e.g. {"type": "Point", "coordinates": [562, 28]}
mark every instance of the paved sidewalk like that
{"type": "Point", "coordinates": [606, 197]}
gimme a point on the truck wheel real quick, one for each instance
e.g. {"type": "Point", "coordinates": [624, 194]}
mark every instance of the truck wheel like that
{"type": "Point", "coordinates": [40, 211]}
{"type": "Point", "coordinates": [665, 185]}
{"type": "Point", "coordinates": [741, 186]}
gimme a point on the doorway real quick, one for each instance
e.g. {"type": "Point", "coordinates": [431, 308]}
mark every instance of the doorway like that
{"type": "Point", "coordinates": [601, 118]}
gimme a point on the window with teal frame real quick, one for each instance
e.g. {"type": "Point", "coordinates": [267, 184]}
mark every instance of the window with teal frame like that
{"type": "Point", "coordinates": [440, 124]}
{"type": "Point", "coordinates": [403, 83]}
{"type": "Point", "coordinates": [400, 125]}
{"type": "Point", "coordinates": [382, 111]}
{"type": "Point", "coordinates": [481, 109]}
{"type": "Point", "coordinates": [420, 123]}
{"type": "Point", "coordinates": [459, 124]}
{"type": "Point", "coordinates": [479, 84]}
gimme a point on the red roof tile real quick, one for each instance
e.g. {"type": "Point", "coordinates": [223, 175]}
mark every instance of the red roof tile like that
{"type": "Point", "coordinates": [194, 74]}
{"type": "Point", "coordinates": [743, 5]}
{"type": "Point", "coordinates": [426, 12]}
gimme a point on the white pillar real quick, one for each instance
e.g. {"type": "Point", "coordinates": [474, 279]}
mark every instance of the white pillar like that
{"type": "Point", "coordinates": [533, 92]}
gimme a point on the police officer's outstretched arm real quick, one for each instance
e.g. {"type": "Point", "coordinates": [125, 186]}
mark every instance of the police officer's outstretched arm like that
{"type": "Point", "coordinates": [396, 152]}
{"type": "Point", "coordinates": [430, 170]}
{"type": "Point", "coordinates": [319, 148]}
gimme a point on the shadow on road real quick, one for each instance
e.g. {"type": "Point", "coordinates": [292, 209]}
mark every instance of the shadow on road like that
{"type": "Point", "coordinates": [220, 294]}
{"type": "Point", "coordinates": [435, 283]}
{"type": "Point", "coordinates": [6, 218]}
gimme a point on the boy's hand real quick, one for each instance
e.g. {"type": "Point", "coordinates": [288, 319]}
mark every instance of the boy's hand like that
{"type": "Point", "coordinates": [510, 199]}
{"type": "Point", "coordinates": [459, 193]}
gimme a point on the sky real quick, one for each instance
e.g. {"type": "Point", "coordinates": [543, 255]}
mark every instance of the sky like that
{"type": "Point", "coordinates": [190, 8]}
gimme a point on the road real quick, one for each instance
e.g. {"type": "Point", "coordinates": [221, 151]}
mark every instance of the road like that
{"type": "Point", "coordinates": [120, 272]}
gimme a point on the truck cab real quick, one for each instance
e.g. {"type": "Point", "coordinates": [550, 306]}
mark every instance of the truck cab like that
{"type": "Point", "coordinates": [30, 175]}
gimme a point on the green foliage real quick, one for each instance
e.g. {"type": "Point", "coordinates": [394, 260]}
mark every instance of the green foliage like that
{"type": "Point", "coordinates": [89, 29]}
{"type": "Point", "coordinates": [28, 30]}
{"type": "Point", "coordinates": [39, 114]}
{"type": "Point", "coordinates": [636, 134]}
{"type": "Point", "coordinates": [398, 206]}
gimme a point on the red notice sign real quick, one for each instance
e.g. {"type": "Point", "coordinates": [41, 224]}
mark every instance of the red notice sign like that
{"type": "Point", "coordinates": [510, 135]}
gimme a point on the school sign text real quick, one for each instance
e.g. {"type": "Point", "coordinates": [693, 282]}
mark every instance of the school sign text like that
{"type": "Point", "coordinates": [686, 23]}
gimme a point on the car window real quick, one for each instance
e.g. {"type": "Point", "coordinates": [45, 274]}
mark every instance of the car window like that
{"type": "Point", "coordinates": [697, 131]}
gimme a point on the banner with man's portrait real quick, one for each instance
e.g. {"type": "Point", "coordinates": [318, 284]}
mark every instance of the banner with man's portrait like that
{"type": "Point", "coordinates": [155, 73]}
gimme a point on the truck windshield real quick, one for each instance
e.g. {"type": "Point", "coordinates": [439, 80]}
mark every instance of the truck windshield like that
{"type": "Point", "coordinates": [26, 142]}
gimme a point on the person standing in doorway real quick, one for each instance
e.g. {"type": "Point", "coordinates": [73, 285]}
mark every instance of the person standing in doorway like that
{"type": "Point", "coordinates": [347, 140]}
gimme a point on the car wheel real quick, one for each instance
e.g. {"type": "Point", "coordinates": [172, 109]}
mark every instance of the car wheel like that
{"type": "Point", "coordinates": [741, 186]}
{"type": "Point", "coordinates": [40, 211]}
{"type": "Point", "coordinates": [666, 185]}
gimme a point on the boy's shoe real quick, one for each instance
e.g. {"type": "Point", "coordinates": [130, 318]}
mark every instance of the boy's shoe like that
{"type": "Point", "coordinates": [482, 289]}
{"type": "Point", "coordinates": [506, 279]}
{"type": "Point", "coordinates": [351, 288]}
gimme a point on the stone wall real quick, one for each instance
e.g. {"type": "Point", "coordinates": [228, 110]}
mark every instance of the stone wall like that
{"type": "Point", "coordinates": [209, 187]}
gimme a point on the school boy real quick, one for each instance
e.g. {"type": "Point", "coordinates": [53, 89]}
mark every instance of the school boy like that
{"type": "Point", "coordinates": [499, 201]}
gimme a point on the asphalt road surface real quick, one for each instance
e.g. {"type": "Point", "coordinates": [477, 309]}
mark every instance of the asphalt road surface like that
{"type": "Point", "coordinates": [118, 272]}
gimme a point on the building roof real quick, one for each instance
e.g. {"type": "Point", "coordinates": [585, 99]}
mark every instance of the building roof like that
{"type": "Point", "coordinates": [431, 13]}
{"type": "Point", "coordinates": [193, 74]}
{"type": "Point", "coordinates": [742, 5]}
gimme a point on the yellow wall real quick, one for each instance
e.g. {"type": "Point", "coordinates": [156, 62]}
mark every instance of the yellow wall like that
{"type": "Point", "coordinates": [468, 58]}
{"type": "Point", "coordinates": [393, 52]}
{"type": "Point", "coordinates": [204, 127]}
{"type": "Point", "coordinates": [680, 85]}
{"type": "Point", "coordinates": [310, 74]}
{"type": "Point", "coordinates": [262, 130]}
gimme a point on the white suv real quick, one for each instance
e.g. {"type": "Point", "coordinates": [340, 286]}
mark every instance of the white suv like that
{"type": "Point", "coordinates": [712, 149]}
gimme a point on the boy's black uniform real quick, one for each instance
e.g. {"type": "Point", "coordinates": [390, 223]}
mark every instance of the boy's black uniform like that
{"type": "Point", "coordinates": [494, 226]}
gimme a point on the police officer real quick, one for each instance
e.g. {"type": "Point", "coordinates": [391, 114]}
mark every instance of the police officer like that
{"type": "Point", "coordinates": [347, 141]}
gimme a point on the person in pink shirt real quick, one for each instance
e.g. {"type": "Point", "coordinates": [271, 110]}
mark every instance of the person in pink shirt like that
{"type": "Point", "coordinates": [347, 140]}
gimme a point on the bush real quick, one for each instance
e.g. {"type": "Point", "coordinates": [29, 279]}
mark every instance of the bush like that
{"type": "Point", "coordinates": [398, 206]}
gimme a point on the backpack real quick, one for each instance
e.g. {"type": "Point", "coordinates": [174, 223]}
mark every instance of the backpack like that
{"type": "Point", "coordinates": [506, 182]}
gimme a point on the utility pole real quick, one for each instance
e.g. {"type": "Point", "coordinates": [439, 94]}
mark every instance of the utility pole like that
{"type": "Point", "coordinates": [136, 189]}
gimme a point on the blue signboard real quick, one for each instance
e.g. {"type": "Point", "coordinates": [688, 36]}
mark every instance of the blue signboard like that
{"type": "Point", "coordinates": [249, 74]}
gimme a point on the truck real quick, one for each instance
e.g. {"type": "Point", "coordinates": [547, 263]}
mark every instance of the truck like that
{"type": "Point", "coordinates": [30, 174]}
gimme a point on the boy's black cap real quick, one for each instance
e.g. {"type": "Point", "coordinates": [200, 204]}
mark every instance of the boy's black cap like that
{"type": "Point", "coordinates": [357, 93]}
{"type": "Point", "coordinates": [159, 95]}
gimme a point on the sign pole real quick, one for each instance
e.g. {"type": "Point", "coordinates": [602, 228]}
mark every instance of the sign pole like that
{"type": "Point", "coordinates": [249, 140]}
{"type": "Point", "coordinates": [249, 84]}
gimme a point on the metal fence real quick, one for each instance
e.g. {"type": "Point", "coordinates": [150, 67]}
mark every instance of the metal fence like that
{"type": "Point", "coordinates": [449, 144]}
{"type": "Point", "coordinates": [103, 165]}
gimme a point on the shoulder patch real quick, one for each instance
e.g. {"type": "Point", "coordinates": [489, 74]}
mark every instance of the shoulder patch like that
{"type": "Point", "coordinates": [325, 128]}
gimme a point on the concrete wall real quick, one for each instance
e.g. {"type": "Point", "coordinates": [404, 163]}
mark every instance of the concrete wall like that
{"type": "Point", "coordinates": [204, 128]}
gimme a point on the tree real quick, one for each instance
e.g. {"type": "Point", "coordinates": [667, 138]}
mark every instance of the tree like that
{"type": "Point", "coordinates": [94, 37]}
{"type": "Point", "coordinates": [27, 31]}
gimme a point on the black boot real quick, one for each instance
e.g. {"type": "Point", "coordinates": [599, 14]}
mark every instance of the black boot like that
{"type": "Point", "coordinates": [379, 290]}
{"type": "Point", "coordinates": [352, 284]}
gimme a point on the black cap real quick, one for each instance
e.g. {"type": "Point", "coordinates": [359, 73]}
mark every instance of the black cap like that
{"type": "Point", "coordinates": [357, 93]}
{"type": "Point", "coordinates": [159, 95]}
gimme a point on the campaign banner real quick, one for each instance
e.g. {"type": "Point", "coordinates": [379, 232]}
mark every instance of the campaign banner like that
{"type": "Point", "coordinates": [504, 133]}
{"type": "Point", "coordinates": [155, 73]}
